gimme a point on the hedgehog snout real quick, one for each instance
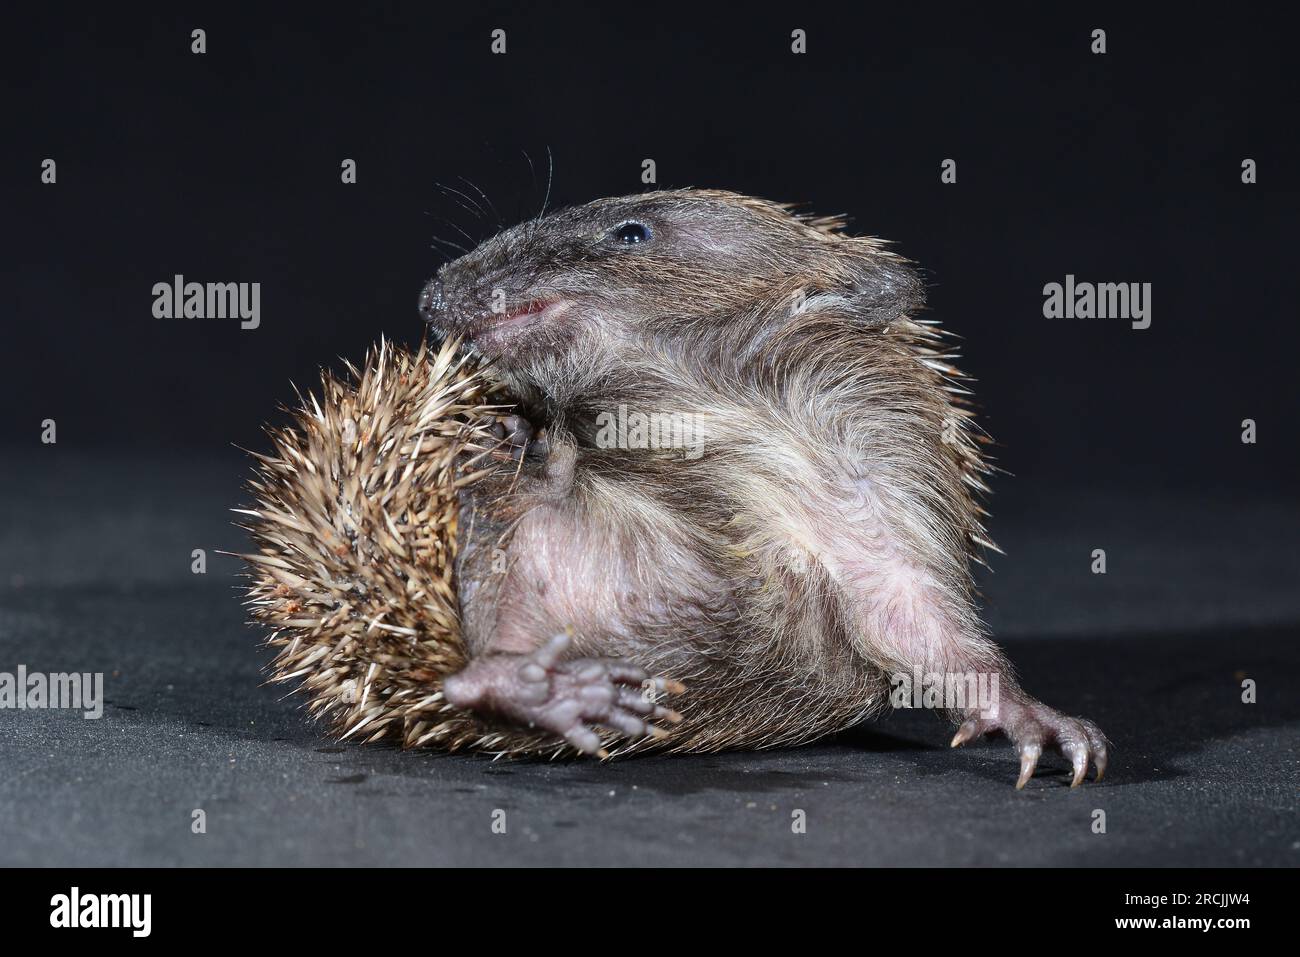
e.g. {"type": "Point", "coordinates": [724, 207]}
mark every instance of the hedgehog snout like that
{"type": "Point", "coordinates": [433, 303]}
{"type": "Point", "coordinates": [456, 300]}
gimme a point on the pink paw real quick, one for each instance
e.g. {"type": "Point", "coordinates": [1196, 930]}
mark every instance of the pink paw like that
{"type": "Point", "coordinates": [570, 699]}
{"type": "Point", "coordinates": [1033, 726]}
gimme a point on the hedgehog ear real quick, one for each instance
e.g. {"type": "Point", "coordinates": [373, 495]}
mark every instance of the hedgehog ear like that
{"type": "Point", "coordinates": [870, 287]}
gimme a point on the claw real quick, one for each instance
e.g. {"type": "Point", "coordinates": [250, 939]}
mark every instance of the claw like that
{"type": "Point", "coordinates": [1028, 762]}
{"type": "Point", "coordinates": [1031, 726]}
{"type": "Point", "coordinates": [1098, 743]}
{"type": "Point", "coordinates": [964, 734]}
{"type": "Point", "coordinates": [1080, 762]}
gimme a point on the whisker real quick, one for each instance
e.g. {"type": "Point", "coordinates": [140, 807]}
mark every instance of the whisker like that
{"type": "Point", "coordinates": [456, 226]}
{"type": "Point", "coordinates": [532, 174]}
{"type": "Point", "coordinates": [447, 242]}
{"type": "Point", "coordinates": [475, 211]}
{"type": "Point", "coordinates": [491, 205]}
{"type": "Point", "coordinates": [550, 177]}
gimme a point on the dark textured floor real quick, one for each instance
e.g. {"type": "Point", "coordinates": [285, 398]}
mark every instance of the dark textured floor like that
{"type": "Point", "coordinates": [95, 576]}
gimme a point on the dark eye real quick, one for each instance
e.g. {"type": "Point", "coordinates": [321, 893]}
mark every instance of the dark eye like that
{"type": "Point", "coordinates": [629, 234]}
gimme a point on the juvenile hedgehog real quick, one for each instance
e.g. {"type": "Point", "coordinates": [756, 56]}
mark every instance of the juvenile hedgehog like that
{"type": "Point", "coordinates": [811, 537]}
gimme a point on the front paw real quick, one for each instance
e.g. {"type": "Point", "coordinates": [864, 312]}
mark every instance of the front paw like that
{"type": "Point", "coordinates": [1033, 726]}
{"type": "Point", "coordinates": [570, 699]}
{"type": "Point", "coordinates": [519, 440]}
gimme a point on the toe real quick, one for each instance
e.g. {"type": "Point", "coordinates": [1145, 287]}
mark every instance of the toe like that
{"type": "Point", "coordinates": [597, 695]}
{"type": "Point", "coordinates": [1072, 741]}
{"type": "Point", "coordinates": [634, 701]}
{"type": "Point", "coordinates": [591, 673]}
{"type": "Point", "coordinates": [532, 671]}
{"type": "Point", "coordinates": [638, 703]}
{"type": "Point", "coordinates": [583, 739]}
{"type": "Point", "coordinates": [1078, 755]}
{"type": "Point", "coordinates": [1098, 744]}
{"type": "Point", "coordinates": [550, 653]}
{"type": "Point", "coordinates": [517, 429]}
{"type": "Point", "coordinates": [1100, 756]}
{"type": "Point", "coordinates": [1029, 754]}
{"type": "Point", "coordinates": [461, 691]}
{"type": "Point", "coordinates": [626, 673]}
{"type": "Point", "coordinates": [618, 720]}
{"type": "Point", "coordinates": [968, 731]}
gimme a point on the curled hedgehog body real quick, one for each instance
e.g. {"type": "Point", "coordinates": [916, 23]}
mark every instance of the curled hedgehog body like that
{"type": "Point", "coordinates": [737, 493]}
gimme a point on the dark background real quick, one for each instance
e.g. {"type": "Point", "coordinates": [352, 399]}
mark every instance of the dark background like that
{"type": "Point", "coordinates": [225, 167]}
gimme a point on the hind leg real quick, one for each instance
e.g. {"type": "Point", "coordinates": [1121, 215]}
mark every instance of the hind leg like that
{"type": "Point", "coordinates": [928, 640]}
{"type": "Point", "coordinates": [914, 632]}
{"type": "Point", "coordinates": [528, 574]}
{"type": "Point", "coordinates": [912, 617]}
{"type": "Point", "coordinates": [571, 699]}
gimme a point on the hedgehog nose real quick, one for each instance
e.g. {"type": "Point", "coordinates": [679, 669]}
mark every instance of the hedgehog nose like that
{"type": "Point", "coordinates": [431, 301]}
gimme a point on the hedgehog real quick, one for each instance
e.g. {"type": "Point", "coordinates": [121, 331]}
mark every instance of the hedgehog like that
{"type": "Point", "coordinates": [686, 470]}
